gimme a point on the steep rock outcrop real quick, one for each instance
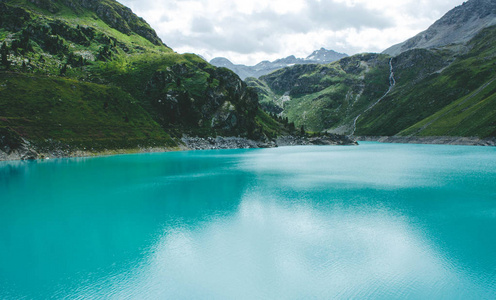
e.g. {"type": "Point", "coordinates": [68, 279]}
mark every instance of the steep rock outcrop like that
{"type": "Point", "coordinates": [224, 103]}
{"type": "Point", "coordinates": [456, 27]}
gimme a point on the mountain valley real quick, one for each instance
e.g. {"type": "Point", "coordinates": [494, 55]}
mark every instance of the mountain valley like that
{"type": "Point", "coordinates": [92, 77]}
{"type": "Point", "coordinates": [443, 89]}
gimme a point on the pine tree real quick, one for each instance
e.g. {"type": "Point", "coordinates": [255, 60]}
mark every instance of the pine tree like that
{"type": "Point", "coordinates": [4, 52]}
{"type": "Point", "coordinates": [63, 70]}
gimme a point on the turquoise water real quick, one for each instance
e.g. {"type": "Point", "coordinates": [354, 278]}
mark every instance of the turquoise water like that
{"type": "Point", "coordinates": [383, 221]}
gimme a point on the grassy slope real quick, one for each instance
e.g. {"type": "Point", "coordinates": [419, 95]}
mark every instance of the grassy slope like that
{"type": "Point", "coordinates": [120, 107]}
{"type": "Point", "coordinates": [329, 96]}
{"type": "Point", "coordinates": [269, 101]}
{"type": "Point", "coordinates": [404, 111]}
{"type": "Point", "coordinates": [414, 97]}
{"type": "Point", "coordinates": [52, 111]}
{"type": "Point", "coordinates": [47, 109]}
{"type": "Point", "coordinates": [437, 93]}
{"type": "Point", "coordinates": [81, 33]}
{"type": "Point", "coordinates": [473, 114]}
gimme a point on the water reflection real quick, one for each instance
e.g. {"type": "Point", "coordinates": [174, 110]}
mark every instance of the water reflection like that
{"type": "Point", "coordinates": [268, 250]}
{"type": "Point", "coordinates": [375, 221]}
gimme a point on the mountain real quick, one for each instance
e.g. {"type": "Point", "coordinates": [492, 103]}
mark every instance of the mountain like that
{"type": "Point", "coordinates": [455, 28]}
{"type": "Point", "coordinates": [321, 56]}
{"type": "Point", "coordinates": [324, 56]}
{"type": "Point", "coordinates": [439, 91]}
{"type": "Point", "coordinates": [241, 70]}
{"type": "Point", "coordinates": [322, 97]}
{"type": "Point", "coordinates": [90, 75]}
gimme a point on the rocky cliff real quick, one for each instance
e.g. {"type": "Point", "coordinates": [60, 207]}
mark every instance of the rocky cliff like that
{"type": "Point", "coordinates": [455, 28]}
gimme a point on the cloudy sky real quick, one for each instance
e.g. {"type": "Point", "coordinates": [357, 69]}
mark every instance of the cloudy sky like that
{"type": "Point", "coordinates": [249, 31]}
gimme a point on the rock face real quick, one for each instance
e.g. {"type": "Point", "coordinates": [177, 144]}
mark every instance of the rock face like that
{"type": "Point", "coordinates": [12, 146]}
{"type": "Point", "coordinates": [456, 27]}
{"type": "Point", "coordinates": [322, 56]}
{"type": "Point", "coordinates": [289, 78]}
{"type": "Point", "coordinates": [326, 140]}
{"type": "Point", "coordinates": [226, 105]}
{"type": "Point", "coordinates": [210, 143]}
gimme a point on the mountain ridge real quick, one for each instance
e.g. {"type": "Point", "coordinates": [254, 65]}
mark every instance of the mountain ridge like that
{"type": "Point", "coordinates": [438, 91]}
{"type": "Point", "coordinates": [321, 56]}
{"type": "Point", "coordinates": [456, 27]}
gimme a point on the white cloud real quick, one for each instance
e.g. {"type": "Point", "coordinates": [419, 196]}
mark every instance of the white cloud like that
{"type": "Point", "coordinates": [248, 31]}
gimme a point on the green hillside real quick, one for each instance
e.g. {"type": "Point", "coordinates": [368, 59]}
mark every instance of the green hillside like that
{"type": "Point", "coordinates": [53, 111]}
{"type": "Point", "coordinates": [472, 115]}
{"type": "Point", "coordinates": [438, 92]}
{"type": "Point", "coordinates": [92, 74]}
{"type": "Point", "coordinates": [322, 97]}
{"type": "Point", "coordinates": [452, 96]}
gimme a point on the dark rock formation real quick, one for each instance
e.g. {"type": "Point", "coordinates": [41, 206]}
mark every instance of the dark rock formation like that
{"type": "Point", "coordinates": [329, 139]}
{"type": "Point", "coordinates": [13, 146]}
{"type": "Point", "coordinates": [210, 143]}
{"type": "Point", "coordinates": [13, 18]}
{"type": "Point", "coordinates": [226, 104]}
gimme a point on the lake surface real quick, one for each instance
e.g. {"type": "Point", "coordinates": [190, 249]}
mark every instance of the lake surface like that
{"type": "Point", "coordinates": [383, 221]}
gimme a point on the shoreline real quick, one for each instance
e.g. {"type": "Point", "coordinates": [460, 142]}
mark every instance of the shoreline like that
{"type": "Point", "coordinates": [429, 140]}
{"type": "Point", "coordinates": [186, 143]}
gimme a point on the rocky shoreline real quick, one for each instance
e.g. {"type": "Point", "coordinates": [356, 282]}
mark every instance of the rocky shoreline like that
{"type": "Point", "coordinates": [329, 139]}
{"type": "Point", "coordinates": [25, 151]}
{"type": "Point", "coordinates": [210, 143]}
{"type": "Point", "coordinates": [438, 140]}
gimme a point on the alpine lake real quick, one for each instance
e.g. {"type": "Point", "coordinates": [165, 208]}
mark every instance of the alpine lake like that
{"type": "Point", "coordinates": [374, 221]}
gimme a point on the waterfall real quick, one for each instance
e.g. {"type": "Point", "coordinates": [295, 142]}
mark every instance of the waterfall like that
{"type": "Point", "coordinates": [392, 83]}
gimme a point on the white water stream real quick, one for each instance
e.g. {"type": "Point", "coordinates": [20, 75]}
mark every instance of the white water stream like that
{"type": "Point", "coordinates": [392, 83]}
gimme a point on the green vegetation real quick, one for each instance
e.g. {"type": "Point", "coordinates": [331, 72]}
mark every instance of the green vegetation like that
{"type": "Point", "coordinates": [91, 74]}
{"type": "Point", "coordinates": [57, 111]}
{"type": "Point", "coordinates": [269, 101]}
{"type": "Point", "coordinates": [472, 115]}
{"type": "Point", "coordinates": [323, 97]}
{"type": "Point", "coordinates": [443, 102]}
{"type": "Point", "coordinates": [439, 92]}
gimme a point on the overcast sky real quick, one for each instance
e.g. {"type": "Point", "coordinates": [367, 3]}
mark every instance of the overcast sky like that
{"type": "Point", "coordinates": [249, 31]}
